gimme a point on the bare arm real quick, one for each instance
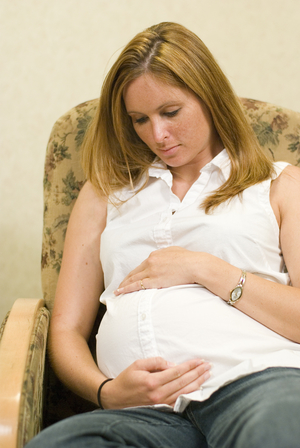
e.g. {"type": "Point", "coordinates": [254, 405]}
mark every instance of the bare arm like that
{"type": "Point", "coordinates": [275, 306]}
{"type": "Point", "coordinates": [278, 306]}
{"type": "Point", "coordinates": [77, 297]}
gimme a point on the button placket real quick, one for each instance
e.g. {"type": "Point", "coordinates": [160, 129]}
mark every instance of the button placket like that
{"type": "Point", "coordinates": [162, 231]}
{"type": "Point", "coordinates": [145, 327]}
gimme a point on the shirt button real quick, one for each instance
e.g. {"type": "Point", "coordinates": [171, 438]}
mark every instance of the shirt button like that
{"type": "Point", "coordinates": [143, 316]}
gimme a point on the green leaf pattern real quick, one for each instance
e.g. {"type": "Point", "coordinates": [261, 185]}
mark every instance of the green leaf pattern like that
{"type": "Point", "coordinates": [274, 128]}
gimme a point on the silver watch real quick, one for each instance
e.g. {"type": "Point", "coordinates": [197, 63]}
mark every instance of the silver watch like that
{"type": "Point", "coordinates": [236, 293]}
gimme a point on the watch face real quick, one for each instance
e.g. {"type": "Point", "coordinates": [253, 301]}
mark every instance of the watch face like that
{"type": "Point", "coordinates": [236, 293]}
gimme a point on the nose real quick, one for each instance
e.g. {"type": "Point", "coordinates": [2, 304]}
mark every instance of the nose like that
{"type": "Point", "coordinates": [160, 132]}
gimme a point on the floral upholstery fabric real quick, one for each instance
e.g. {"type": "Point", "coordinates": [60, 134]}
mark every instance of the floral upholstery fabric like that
{"type": "Point", "coordinates": [63, 179]}
{"type": "Point", "coordinates": [277, 129]}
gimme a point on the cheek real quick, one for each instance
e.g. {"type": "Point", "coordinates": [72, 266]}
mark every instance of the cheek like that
{"type": "Point", "coordinates": [200, 128]}
{"type": "Point", "coordinates": [143, 134]}
{"type": "Point", "coordinates": [182, 131]}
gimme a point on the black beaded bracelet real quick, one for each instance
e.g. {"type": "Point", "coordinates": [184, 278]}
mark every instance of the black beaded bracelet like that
{"type": "Point", "coordinates": [99, 392]}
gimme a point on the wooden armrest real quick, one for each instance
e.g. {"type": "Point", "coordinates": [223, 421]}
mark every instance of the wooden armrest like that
{"type": "Point", "coordinates": [15, 361]}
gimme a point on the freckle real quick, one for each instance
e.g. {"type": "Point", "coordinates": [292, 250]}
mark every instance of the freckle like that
{"type": "Point", "coordinates": [86, 264]}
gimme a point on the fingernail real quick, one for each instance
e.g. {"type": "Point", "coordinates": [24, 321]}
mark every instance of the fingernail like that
{"type": "Point", "coordinates": [171, 364]}
{"type": "Point", "coordinates": [206, 375]}
{"type": "Point", "coordinates": [118, 291]}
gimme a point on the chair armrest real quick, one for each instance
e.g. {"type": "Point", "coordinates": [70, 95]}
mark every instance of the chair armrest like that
{"type": "Point", "coordinates": [22, 359]}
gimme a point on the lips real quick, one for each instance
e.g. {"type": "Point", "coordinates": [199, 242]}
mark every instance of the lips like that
{"type": "Point", "coordinates": [170, 150]}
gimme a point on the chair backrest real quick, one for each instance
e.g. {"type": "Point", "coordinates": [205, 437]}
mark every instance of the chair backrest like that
{"type": "Point", "coordinates": [277, 129]}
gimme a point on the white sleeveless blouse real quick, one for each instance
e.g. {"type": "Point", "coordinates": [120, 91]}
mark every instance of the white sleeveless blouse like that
{"type": "Point", "coordinates": [188, 321]}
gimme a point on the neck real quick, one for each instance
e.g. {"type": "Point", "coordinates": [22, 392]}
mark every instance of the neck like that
{"type": "Point", "coordinates": [190, 172]}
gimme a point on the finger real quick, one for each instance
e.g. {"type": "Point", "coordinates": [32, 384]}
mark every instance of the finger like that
{"type": "Point", "coordinates": [137, 283]}
{"type": "Point", "coordinates": [132, 287]}
{"type": "Point", "coordinates": [186, 376]}
{"type": "Point", "coordinates": [166, 386]}
{"type": "Point", "coordinates": [133, 280]}
{"type": "Point", "coordinates": [130, 278]}
{"type": "Point", "coordinates": [135, 272]}
{"type": "Point", "coordinates": [134, 276]}
{"type": "Point", "coordinates": [153, 364]}
{"type": "Point", "coordinates": [179, 370]}
{"type": "Point", "coordinates": [187, 383]}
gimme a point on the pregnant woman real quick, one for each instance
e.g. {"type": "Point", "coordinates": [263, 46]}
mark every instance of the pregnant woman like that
{"type": "Point", "coordinates": [190, 237]}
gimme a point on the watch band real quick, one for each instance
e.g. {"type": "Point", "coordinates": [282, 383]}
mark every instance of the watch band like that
{"type": "Point", "coordinates": [237, 292]}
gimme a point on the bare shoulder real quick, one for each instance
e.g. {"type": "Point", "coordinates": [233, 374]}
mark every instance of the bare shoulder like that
{"type": "Point", "coordinates": [89, 195]}
{"type": "Point", "coordinates": [285, 193]}
{"type": "Point", "coordinates": [287, 184]}
{"type": "Point", "coordinates": [90, 202]}
{"type": "Point", "coordinates": [289, 176]}
{"type": "Point", "coordinates": [89, 212]}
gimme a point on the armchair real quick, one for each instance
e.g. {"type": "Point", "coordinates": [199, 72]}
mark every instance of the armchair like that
{"type": "Point", "coordinates": [31, 397]}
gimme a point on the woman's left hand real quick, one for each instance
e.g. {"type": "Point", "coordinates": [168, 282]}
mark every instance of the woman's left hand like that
{"type": "Point", "coordinates": [163, 268]}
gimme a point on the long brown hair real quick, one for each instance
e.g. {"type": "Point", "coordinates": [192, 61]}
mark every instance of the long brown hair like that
{"type": "Point", "coordinates": [114, 156]}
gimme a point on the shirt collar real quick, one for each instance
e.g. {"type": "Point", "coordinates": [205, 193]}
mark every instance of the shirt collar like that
{"type": "Point", "coordinates": [220, 162]}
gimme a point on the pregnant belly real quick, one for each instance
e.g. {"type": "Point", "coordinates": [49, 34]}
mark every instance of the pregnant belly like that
{"type": "Point", "coordinates": [179, 323]}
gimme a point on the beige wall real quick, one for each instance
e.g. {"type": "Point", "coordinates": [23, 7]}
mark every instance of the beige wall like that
{"type": "Point", "coordinates": [53, 56]}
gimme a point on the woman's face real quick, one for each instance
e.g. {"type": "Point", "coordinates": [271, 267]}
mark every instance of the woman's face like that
{"type": "Point", "coordinates": [172, 122]}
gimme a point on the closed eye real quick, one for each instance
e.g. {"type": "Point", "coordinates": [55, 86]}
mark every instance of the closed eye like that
{"type": "Point", "coordinates": [140, 120]}
{"type": "Point", "coordinates": [172, 113]}
{"type": "Point", "coordinates": [143, 120]}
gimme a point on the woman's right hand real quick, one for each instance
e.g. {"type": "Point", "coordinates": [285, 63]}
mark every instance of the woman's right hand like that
{"type": "Point", "coordinates": [154, 381]}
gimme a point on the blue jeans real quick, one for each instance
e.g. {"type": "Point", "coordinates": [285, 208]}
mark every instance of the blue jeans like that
{"type": "Point", "coordinates": [261, 410]}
